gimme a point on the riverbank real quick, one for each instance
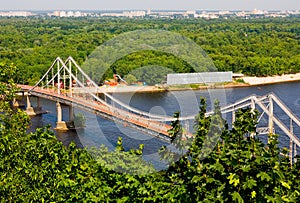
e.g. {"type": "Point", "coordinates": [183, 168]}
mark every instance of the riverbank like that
{"type": "Point", "coordinates": [245, 81]}
{"type": "Point", "coordinates": [272, 79]}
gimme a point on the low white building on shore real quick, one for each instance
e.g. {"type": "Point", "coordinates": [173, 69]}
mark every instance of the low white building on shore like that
{"type": "Point", "coordinates": [198, 78]}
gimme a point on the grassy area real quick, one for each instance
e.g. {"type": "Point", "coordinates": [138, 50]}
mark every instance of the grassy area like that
{"type": "Point", "coordinates": [187, 86]}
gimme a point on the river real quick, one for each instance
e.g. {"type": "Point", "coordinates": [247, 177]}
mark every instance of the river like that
{"type": "Point", "coordinates": [100, 131]}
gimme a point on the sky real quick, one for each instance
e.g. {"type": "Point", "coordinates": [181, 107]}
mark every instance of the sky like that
{"type": "Point", "coordinates": [153, 4]}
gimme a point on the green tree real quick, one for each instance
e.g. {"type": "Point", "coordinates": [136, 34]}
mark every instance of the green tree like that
{"type": "Point", "coordinates": [239, 168]}
{"type": "Point", "coordinates": [130, 79]}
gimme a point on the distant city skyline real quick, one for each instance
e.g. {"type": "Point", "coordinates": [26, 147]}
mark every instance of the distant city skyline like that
{"type": "Point", "coordinates": [152, 4]}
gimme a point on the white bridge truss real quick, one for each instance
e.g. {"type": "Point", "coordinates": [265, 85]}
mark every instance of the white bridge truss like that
{"type": "Point", "coordinates": [62, 76]}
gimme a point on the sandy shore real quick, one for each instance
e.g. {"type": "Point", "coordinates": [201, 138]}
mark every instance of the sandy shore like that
{"type": "Point", "coordinates": [120, 89]}
{"type": "Point", "coordinates": [272, 79]}
{"type": "Point", "coordinates": [249, 81]}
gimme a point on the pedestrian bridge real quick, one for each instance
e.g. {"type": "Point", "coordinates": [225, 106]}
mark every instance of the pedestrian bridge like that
{"type": "Point", "coordinates": [64, 77]}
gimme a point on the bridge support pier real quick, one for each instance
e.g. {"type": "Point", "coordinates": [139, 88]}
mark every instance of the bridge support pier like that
{"type": "Point", "coordinates": [39, 105]}
{"type": "Point", "coordinates": [60, 124]}
{"type": "Point", "coordinates": [33, 111]}
{"type": "Point", "coordinates": [18, 101]}
{"type": "Point", "coordinates": [70, 123]}
{"type": "Point", "coordinates": [29, 109]}
{"type": "Point", "coordinates": [71, 113]}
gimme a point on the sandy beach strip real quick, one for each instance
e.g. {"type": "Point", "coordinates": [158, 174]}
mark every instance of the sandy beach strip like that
{"type": "Point", "coordinates": [272, 79]}
{"type": "Point", "coordinates": [249, 81]}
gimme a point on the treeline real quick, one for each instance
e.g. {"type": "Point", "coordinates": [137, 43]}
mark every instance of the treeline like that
{"type": "Point", "coordinates": [220, 165]}
{"type": "Point", "coordinates": [257, 47]}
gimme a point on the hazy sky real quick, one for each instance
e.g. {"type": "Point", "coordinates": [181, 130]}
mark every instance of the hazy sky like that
{"type": "Point", "coordinates": [153, 4]}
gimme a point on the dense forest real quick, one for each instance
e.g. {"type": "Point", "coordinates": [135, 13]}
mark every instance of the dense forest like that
{"type": "Point", "coordinates": [36, 167]}
{"type": "Point", "coordinates": [256, 47]}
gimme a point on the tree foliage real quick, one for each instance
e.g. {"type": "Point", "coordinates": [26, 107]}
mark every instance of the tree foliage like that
{"type": "Point", "coordinates": [257, 47]}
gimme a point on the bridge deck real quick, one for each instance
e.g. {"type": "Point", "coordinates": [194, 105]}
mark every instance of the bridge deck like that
{"type": "Point", "coordinates": [100, 108]}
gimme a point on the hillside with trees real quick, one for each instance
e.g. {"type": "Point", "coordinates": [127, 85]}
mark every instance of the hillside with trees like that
{"type": "Point", "coordinates": [256, 47]}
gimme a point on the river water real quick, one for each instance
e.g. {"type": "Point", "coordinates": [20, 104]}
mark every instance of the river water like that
{"type": "Point", "coordinates": [100, 131]}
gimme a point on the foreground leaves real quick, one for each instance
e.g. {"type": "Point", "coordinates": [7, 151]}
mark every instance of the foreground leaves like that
{"type": "Point", "coordinates": [221, 165]}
